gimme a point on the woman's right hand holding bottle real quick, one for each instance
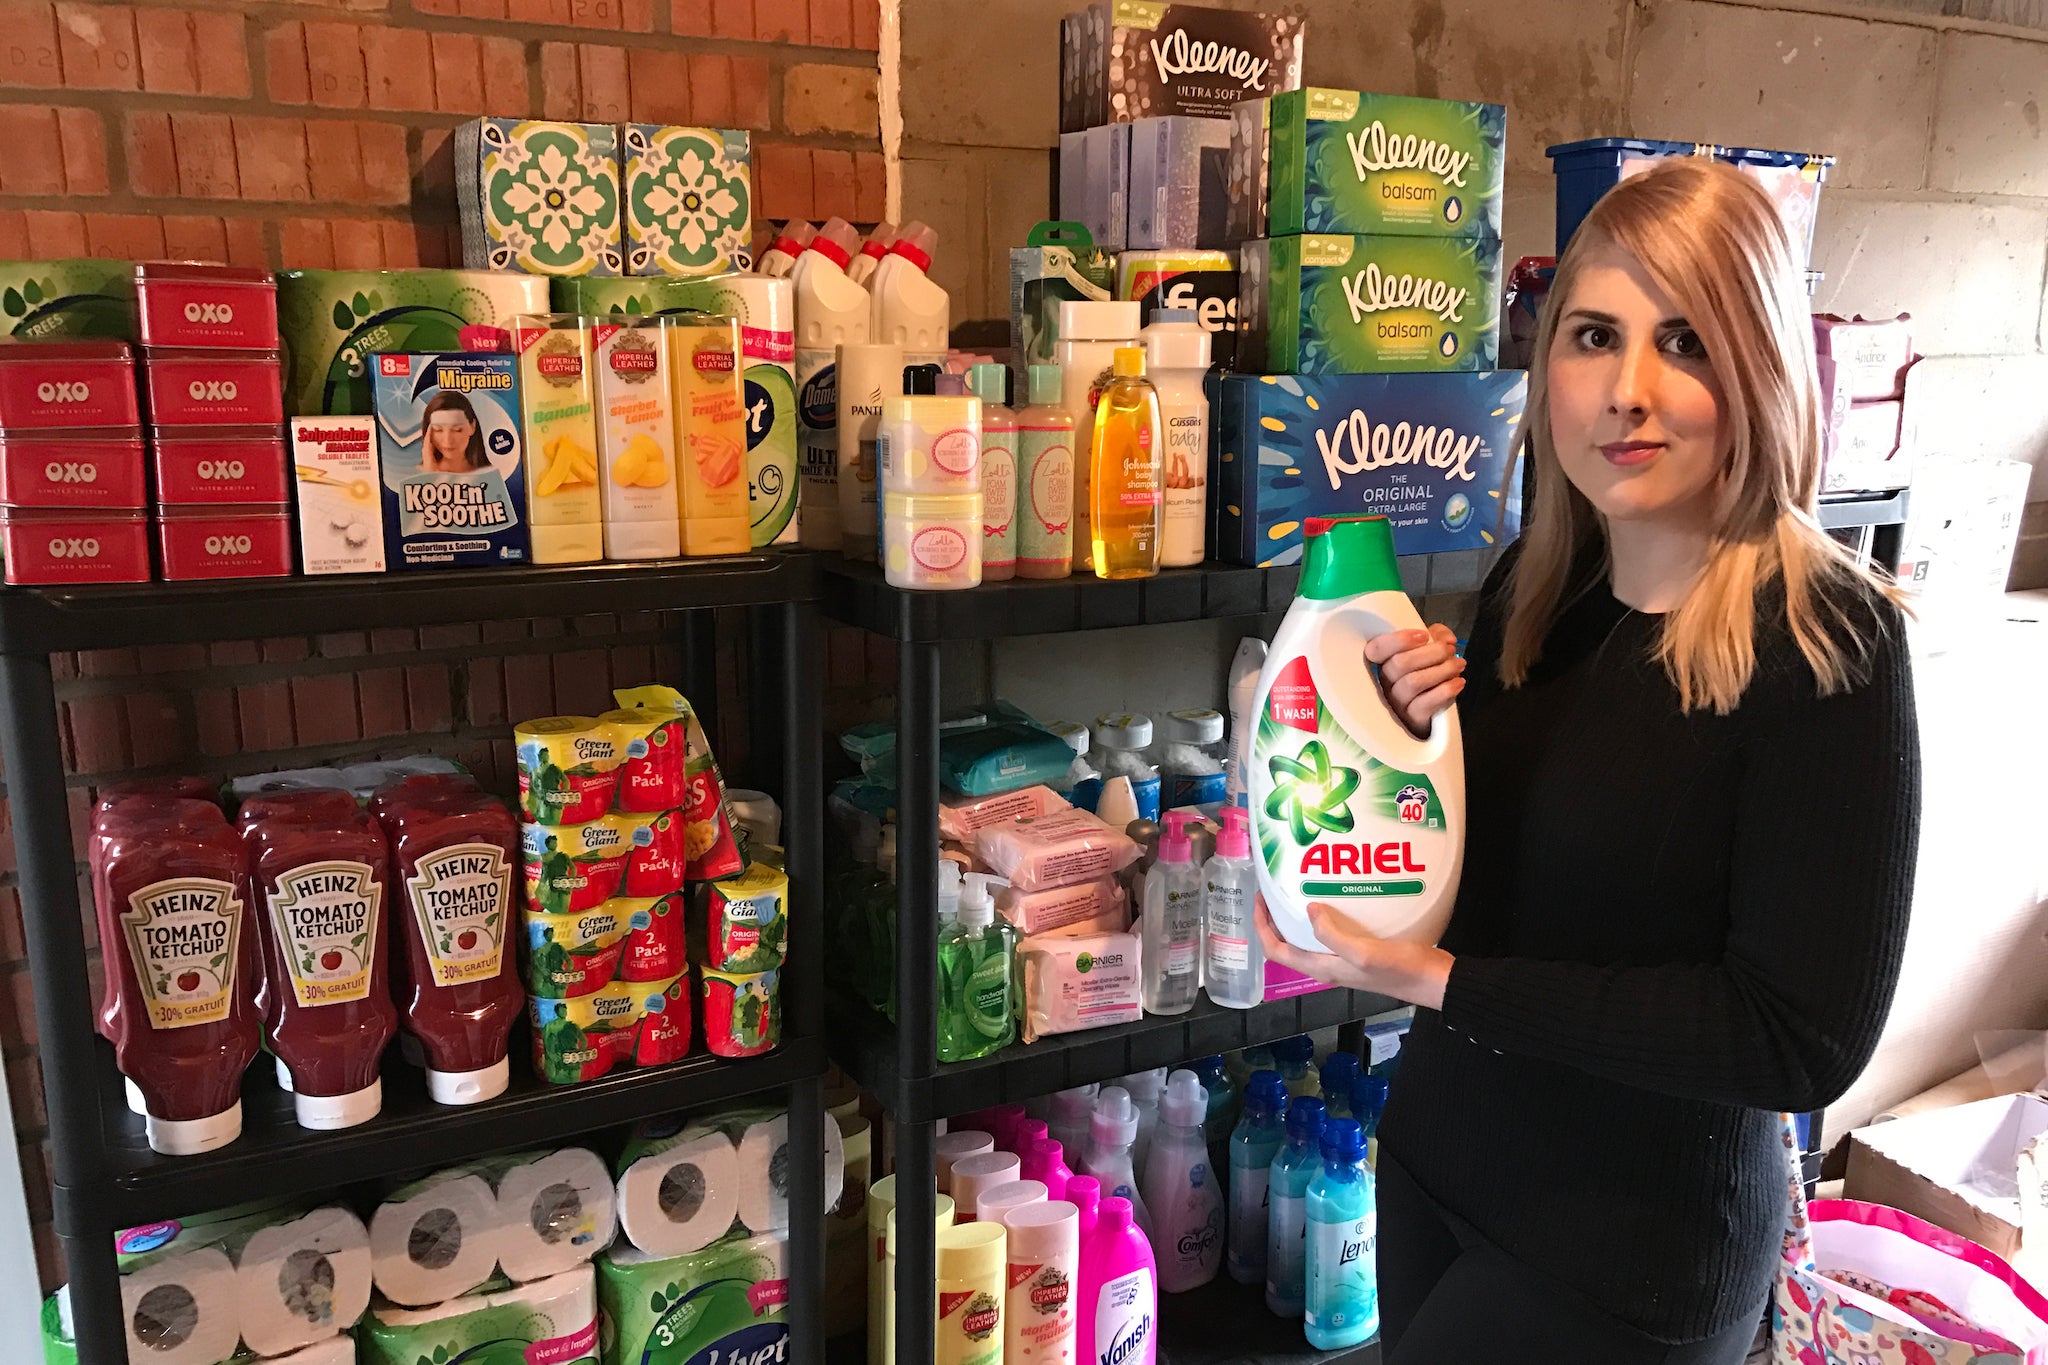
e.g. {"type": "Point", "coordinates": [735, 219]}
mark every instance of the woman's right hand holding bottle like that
{"type": "Point", "coordinates": [1420, 672]}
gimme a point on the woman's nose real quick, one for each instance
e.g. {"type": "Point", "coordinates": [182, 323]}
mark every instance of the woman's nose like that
{"type": "Point", "coordinates": [1634, 382]}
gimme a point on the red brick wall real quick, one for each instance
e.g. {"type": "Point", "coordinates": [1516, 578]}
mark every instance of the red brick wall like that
{"type": "Point", "coordinates": [315, 132]}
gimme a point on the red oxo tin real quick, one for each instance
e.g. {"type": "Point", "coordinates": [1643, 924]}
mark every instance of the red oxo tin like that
{"type": "Point", "coordinates": [218, 464]}
{"type": "Point", "coordinates": [45, 384]}
{"type": "Point", "coordinates": [196, 388]}
{"type": "Point", "coordinates": [249, 541]}
{"type": "Point", "coordinates": [52, 545]}
{"type": "Point", "coordinates": [81, 470]}
{"type": "Point", "coordinates": [224, 307]}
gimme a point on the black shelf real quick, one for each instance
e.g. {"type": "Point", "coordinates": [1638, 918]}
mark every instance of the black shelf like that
{"type": "Point", "coordinates": [109, 616]}
{"type": "Point", "coordinates": [276, 1157]}
{"type": "Point", "coordinates": [870, 1049]}
{"type": "Point", "coordinates": [859, 595]}
{"type": "Point", "coordinates": [1226, 1323]}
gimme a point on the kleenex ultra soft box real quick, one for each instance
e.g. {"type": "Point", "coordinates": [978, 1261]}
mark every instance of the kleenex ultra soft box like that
{"type": "Point", "coordinates": [1432, 452]}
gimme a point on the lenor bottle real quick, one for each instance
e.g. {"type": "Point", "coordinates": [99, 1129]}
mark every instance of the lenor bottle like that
{"type": "Point", "coordinates": [1340, 1072]}
{"type": "Point", "coordinates": [975, 952]}
{"type": "Point", "coordinates": [1258, 1136]}
{"type": "Point", "coordinates": [1222, 1113]}
{"type": "Point", "coordinates": [1234, 967]}
{"type": "Point", "coordinates": [1295, 1059]}
{"type": "Point", "coordinates": [1294, 1165]}
{"type": "Point", "coordinates": [1343, 1298]}
{"type": "Point", "coordinates": [1181, 1190]}
{"type": "Point", "coordinates": [1125, 498]}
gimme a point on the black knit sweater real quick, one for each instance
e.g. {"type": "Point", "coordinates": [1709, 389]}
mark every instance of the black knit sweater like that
{"type": "Point", "coordinates": [1671, 926]}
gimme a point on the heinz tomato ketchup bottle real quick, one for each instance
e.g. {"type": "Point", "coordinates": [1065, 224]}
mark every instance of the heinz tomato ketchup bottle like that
{"type": "Point", "coordinates": [454, 850]}
{"type": "Point", "coordinates": [172, 898]}
{"type": "Point", "coordinates": [318, 867]}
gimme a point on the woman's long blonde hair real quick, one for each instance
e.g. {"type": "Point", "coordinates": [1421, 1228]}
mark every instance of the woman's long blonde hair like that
{"type": "Point", "coordinates": [1711, 239]}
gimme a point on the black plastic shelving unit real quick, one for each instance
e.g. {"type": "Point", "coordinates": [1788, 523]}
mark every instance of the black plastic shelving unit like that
{"type": "Point", "coordinates": [106, 1177]}
{"type": "Point", "coordinates": [899, 1062]}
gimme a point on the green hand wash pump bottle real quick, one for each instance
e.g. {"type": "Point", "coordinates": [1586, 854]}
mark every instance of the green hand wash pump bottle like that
{"type": "Point", "coordinates": [1350, 808]}
{"type": "Point", "coordinates": [975, 952]}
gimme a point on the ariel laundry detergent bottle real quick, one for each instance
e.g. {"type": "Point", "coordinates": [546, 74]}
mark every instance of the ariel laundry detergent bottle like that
{"type": "Point", "coordinates": [1348, 807]}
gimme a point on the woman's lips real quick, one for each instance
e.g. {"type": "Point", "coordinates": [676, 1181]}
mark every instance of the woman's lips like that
{"type": "Point", "coordinates": [1627, 453]}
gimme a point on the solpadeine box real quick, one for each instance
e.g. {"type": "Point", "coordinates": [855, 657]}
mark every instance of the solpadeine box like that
{"type": "Point", "coordinates": [1392, 165]}
{"type": "Point", "coordinates": [448, 449]}
{"type": "Point", "coordinates": [1329, 304]}
{"type": "Point", "coordinates": [1434, 453]}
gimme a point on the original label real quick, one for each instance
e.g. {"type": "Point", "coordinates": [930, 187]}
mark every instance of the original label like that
{"type": "Point", "coordinates": [459, 896]}
{"type": "Point", "coordinates": [182, 939]}
{"type": "Point", "coordinates": [325, 918]}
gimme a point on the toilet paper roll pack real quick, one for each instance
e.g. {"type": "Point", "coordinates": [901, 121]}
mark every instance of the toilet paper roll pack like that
{"type": "Point", "coordinates": [764, 1147]}
{"type": "Point", "coordinates": [727, 1302]}
{"type": "Point", "coordinates": [182, 1310]}
{"type": "Point", "coordinates": [437, 1238]}
{"type": "Point", "coordinates": [552, 1320]}
{"type": "Point", "coordinates": [560, 1210]}
{"type": "Point", "coordinates": [333, 1351]}
{"type": "Point", "coordinates": [678, 1192]}
{"type": "Point", "coordinates": [301, 1280]}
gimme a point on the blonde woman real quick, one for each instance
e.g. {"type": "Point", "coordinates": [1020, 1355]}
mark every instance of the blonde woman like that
{"type": "Point", "coordinates": [1693, 777]}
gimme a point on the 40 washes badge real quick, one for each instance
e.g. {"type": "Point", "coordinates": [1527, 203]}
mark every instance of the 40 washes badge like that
{"type": "Point", "coordinates": [1330, 304]}
{"type": "Point", "coordinates": [724, 1305]}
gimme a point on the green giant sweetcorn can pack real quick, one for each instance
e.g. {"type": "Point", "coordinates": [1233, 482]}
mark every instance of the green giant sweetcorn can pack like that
{"type": "Point", "coordinates": [1393, 165]}
{"type": "Point", "coordinates": [1333, 304]}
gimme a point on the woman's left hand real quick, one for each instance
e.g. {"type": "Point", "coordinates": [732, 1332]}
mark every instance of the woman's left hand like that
{"type": "Point", "coordinates": [1414, 972]}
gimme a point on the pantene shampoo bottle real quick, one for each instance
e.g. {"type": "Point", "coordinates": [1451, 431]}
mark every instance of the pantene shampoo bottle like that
{"type": "Point", "coordinates": [1126, 501]}
{"type": "Point", "coordinates": [1357, 812]}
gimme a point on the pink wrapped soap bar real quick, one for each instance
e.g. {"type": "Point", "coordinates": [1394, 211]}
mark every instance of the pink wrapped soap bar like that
{"type": "Point", "coordinates": [1060, 849]}
{"type": "Point", "coordinates": [1099, 904]}
{"type": "Point", "coordinates": [964, 817]}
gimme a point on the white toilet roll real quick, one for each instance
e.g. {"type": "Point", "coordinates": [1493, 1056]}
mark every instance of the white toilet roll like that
{"type": "Point", "coordinates": [333, 1351]}
{"type": "Point", "coordinates": [680, 1194]}
{"type": "Point", "coordinates": [764, 1175]}
{"type": "Point", "coordinates": [560, 1210]}
{"type": "Point", "coordinates": [835, 1163]}
{"type": "Point", "coordinates": [562, 1305]}
{"type": "Point", "coordinates": [182, 1310]}
{"type": "Point", "coordinates": [303, 1280]}
{"type": "Point", "coordinates": [436, 1239]}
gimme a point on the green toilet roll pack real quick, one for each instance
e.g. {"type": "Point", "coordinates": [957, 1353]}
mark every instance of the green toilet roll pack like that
{"type": "Point", "coordinates": [727, 1303]}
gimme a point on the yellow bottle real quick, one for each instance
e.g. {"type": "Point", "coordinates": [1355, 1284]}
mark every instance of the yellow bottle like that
{"type": "Point", "coordinates": [969, 1276]}
{"type": "Point", "coordinates": [1127, 500]}
{"type": "Point", "coordinates": [711, 433]}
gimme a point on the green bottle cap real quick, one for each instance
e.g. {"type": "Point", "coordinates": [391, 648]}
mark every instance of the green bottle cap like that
{"type": "Point", "coordinates": [1044, 385]}
{"type": "Point", "coordinates": [990, 383]}
{"type": "Point", "coordinates": [1349, 556]}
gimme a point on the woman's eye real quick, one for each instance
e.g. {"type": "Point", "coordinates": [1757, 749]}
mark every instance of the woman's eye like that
{"type": "Point", "coordinates": [1686, 344]}
{"type": "Point", "coordinates": [1594, 336]}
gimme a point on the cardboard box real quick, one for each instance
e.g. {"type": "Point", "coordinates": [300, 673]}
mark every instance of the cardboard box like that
{"type": "Point", "coordinates": [1251, 169]}
{"type": "Point", "coordinates": [1095, 182]}
{"type": "Point", "coordinates": [1433, 452]}
{"type": "Point", "coordinates": [1059, 263]}
{"type": "Point", "coordinates": [1972, 1169]}
{"type": "Point", "coordinates": [689, 200]}
{"type": "Point", "coordinates": [539, 197]}
{"type": "Point", "coordinates": [1204, 282]}
{"type": "Point", "coordinates": [1325, 304]}
{"type": "Point", "coordinates": [1864, 450]}
{"type": "Point", "coordinates": [448, 444]}
{"type": "Point", "coordinates": [1179, 190]}
{"type": "Point", "coordinates": [1962, 525]}
{"type": "Point", "coordinates": [1393, 165]}
{"type": "Point", "coordinates": [1129, 59]}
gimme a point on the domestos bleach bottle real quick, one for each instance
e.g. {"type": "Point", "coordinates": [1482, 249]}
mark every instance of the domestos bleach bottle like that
{"type": "Point", "coordinates": [1350, 808]}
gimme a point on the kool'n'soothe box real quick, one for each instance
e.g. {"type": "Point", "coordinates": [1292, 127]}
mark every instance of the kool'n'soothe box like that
{"type": "Point", "coordinates": [1434, 453]}
{"type": "Point", "coordinates": [448, 448]}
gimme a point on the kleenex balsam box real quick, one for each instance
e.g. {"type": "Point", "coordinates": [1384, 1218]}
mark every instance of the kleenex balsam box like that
{"type": "Point", "coordinates": [1327, 304]}
{"type": "Point", "coordinates": [1393, 165]}
{"type": "Point", "coordinates": [448, 448]}
{"type": "Point", "coordinates": [1432, 452]}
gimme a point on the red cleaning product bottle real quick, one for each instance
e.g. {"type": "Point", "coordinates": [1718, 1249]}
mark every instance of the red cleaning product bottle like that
{"type": "Point", "coordinates": [172, 898]}
{"type": "Point", "coordinates": [454, 850]}
{"type": "Point", "coordinates": [318, 866]}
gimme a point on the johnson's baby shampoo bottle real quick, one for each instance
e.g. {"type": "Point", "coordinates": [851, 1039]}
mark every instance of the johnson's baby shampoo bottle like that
{"type": "Point", "coordinates": [1350, 808]}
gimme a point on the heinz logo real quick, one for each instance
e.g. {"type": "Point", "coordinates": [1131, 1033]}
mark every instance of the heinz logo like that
{"type": "Point", "coordinates": [69, 471]}
{"type": "Point", "coordinates": [1360, 860]}
{"type": "Point", "coordinates": [220, 469]}
{"type": "Point", "coordinates": [65, 391]}
{"type": "Point", "coordinates": [227, 545]}
{"type": "Point", "coordinates": [74, 547]}
{"type": "Point", "coordinates": [209, 312]}
{"type": "Point", "coordinates": [212, 390]}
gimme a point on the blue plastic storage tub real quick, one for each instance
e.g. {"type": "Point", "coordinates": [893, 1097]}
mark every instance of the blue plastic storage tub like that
{"type": "Point", "coordinates": [1587, 170]}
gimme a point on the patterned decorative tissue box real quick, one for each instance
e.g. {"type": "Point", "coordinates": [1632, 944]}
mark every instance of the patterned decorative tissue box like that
{"type": "Point", "coordinates": [689, 200]}
{"type": "Point", "coordinates": [539, 197]}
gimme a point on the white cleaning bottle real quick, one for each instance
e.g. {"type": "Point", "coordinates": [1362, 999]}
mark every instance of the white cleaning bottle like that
{"type": "Point", "coordinates": [789, 244]}
{"type": "Point", "coordinates": [1107, 1157]}
{"type": "Point", "coordinates": [1171, 952]}
{"type": "Point", "coordinates": [1071, 1112]}
{"type": "Point", "coordinates": [862, 267]}
{"type": "Point", "coordinates": [1181, 1189]}
{"type": "Point", "coordinates": [831, 311]}
{"type": "Point", "coordinates": [909, 310]}
{"type": "Point", "coordinates": [1356, 811]}
{"type": "Point", "coordinates": [1233, 963]}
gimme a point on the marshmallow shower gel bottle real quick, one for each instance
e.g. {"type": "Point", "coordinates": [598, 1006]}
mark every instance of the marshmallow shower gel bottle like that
{"type": "Point", "coordinates": [1348, 807]}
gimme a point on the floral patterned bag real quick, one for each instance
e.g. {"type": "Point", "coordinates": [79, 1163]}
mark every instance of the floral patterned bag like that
{"type": "Point", "coordinates": [1862, 1284]}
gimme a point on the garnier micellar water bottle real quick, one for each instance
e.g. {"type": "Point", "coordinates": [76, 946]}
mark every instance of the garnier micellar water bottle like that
{"type": "Point", "coordinates": [1234, 970]}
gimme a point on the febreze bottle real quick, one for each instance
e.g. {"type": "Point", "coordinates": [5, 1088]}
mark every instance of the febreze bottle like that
{"type": "Point", "coordinates": [1349, 807]}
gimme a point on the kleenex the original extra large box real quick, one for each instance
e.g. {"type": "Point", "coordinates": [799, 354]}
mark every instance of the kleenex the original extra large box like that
{"type": "Point", "coordinates": [1433, 452]}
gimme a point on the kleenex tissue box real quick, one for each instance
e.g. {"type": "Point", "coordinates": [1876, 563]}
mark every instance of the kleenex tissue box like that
{"type": "Point", "coordinates": [1333, 304]}
{"type": "Point", "coordinates": [539, 197]}
{"type": "Point", "coordinates": [689, 200]}
{"type": "Point", "coordinates": [1434, 453]}
{"type": "Point", "coordinates": [1394, 165]}
{"type": "Point", "coordinates": [1095, 182]}
{"type": "Point", "coordinates": [1179, 187]}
